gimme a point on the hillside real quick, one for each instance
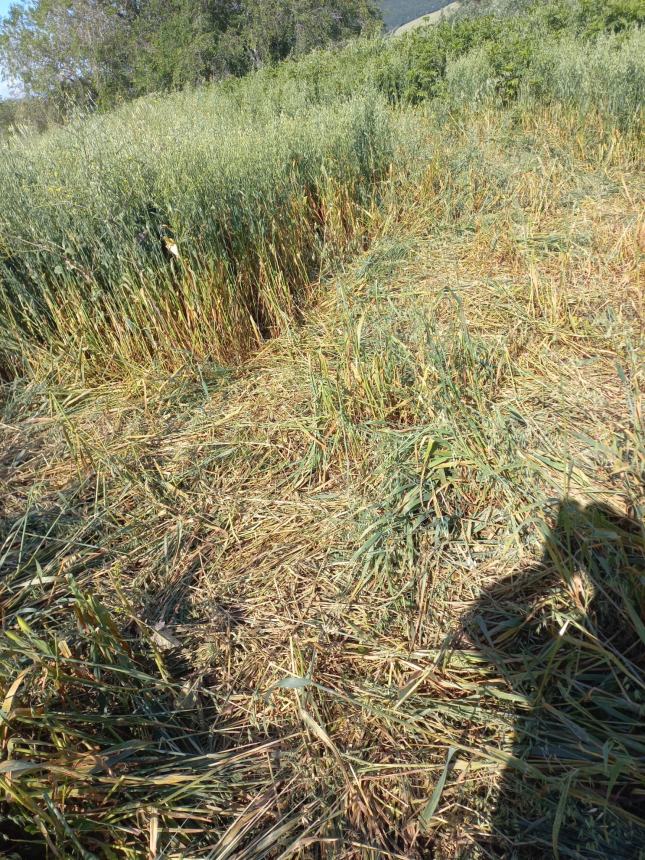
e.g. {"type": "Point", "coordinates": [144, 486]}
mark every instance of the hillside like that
{"type": "Point", "coordinates": [322, 456]}
{"type": "Point", "coordinates": [399, 12]}
{"type": "Point", "coordinates": [426, 20]}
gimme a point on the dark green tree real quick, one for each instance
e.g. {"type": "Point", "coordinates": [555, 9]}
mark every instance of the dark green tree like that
{"type": "Point", "coordinates": [177, 42]}
{"type": "Point", "coordinates": [272, 30]}
{"type": "Point", "coordinates": [69, 49]}
{"type": "Point", "coordinates": [102, 51]}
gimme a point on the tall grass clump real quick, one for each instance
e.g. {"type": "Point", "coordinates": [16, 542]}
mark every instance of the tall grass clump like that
{"type": "Point", "coordinates": [583, 54]}
{"type": "Point", "coordinates": [607, 76]}
{"type": "Point", "coordinates": [179, 226]}
{"type": "Point", "coordinates": [377, 592]}
{"type": "Point", "coordinates": [192, 225]}
{"type": "Point", "coordinates": [378, 589]}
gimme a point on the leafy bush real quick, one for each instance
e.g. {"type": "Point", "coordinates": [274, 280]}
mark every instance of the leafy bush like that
{"type": "Point", "coordinates": [427, 51]}
{"type": "Point", "coordinates": [614, 16]}
{"type": "Point", "coordinates": [509, 36]}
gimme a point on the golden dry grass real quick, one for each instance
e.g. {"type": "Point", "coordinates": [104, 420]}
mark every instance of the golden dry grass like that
{"type": "Point", "coordinates": [298, 545]}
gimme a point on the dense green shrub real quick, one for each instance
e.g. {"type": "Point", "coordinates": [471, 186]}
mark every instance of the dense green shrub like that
{"type": "Point", "coordinates": [584, 17]}
{"type": "Point", "coordinates": [425, 54]}
{"type": "Point", "coordinates": [506, 45]}
{"type": "Point", "coordinates": [614, 16]}
{"type": "Point", "coordinates": [414, 68]}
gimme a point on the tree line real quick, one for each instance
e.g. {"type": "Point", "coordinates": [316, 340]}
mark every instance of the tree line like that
{"type": "Point", "coordinates": [62, 53]}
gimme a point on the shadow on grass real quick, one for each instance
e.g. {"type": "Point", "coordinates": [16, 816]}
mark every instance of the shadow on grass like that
{"type": "Point", "coordinates": [567, 636]}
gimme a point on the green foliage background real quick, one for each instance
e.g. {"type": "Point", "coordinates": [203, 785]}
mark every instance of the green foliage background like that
{"type": "Point", "coordinates": [101, 52]}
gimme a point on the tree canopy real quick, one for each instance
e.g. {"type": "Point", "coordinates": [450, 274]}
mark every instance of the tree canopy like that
{"type": "Point", "coordinates": [103, 51]}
